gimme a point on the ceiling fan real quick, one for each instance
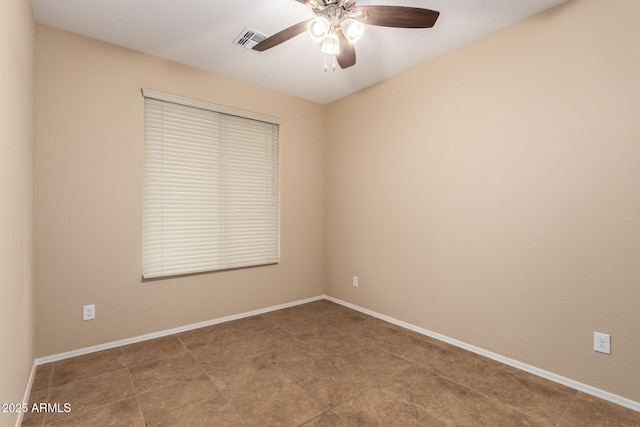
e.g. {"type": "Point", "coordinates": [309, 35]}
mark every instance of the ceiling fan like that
{"type": "Point", "coordinates": [339, 24]}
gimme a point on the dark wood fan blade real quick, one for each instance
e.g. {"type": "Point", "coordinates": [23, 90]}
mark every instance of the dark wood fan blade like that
{"type": "Point", "coordinates": [399, 16]}
{"type": "Point", "coordinates": [282, 36]}
{"type": "Point", "coordinates": [347, 55]}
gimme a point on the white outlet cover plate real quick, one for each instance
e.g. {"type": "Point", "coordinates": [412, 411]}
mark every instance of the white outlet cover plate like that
{"type": "Point", "coordinates": [88, 312]}
{"type": "Point", "coordinates": [602, 342]}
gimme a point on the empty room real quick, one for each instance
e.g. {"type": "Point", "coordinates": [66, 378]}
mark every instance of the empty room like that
{"type": "Point", "coordinates": [319, 213]}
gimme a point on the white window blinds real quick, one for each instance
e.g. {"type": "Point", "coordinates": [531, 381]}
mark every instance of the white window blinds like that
{"type": "Point", "coordinates": [211, 197]}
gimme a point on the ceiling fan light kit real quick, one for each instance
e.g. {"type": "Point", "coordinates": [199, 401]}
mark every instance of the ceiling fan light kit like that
{"type": "Point", "coordinates": [340, 23]}
{"type": "Point", "coordinates": [321, 30]}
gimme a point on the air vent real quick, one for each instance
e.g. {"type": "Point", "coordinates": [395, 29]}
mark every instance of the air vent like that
{"type": "Point", "coordinates": [249, 38]}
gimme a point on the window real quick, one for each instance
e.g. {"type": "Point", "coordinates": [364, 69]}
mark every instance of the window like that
{"type": "Point", "coordinates": [211, 198]}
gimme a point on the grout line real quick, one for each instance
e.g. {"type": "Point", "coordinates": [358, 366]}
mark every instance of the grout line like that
{"type": "Point", "coordinates": [49, 390]}
{"type": "Point", "coordinates": [487, 379]}
{"type": "Point", "coordinates": [315, 418]}
{"type": "Point", "coordinates": [140, 408]}
{"type": "Point", "coordinates": [517, 408]}
{"type": "Point", "coordinates": [573, 399]}
{"type": "Point", "coordinates": [183, 344]}
{"type": "Point", "coordinates": [455, 404]}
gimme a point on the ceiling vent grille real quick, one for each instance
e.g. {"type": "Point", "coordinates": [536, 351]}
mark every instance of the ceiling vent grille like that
{"type": "Point", "coordinates": [249, 38]}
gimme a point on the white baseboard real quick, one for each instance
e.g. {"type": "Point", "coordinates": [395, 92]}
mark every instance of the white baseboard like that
{"type": "Point", "coordinates": [113, 344]}
{"type": "Point", "coordinates": [507, 361]}
{"type": "Point", "coordinates": [27, 392]}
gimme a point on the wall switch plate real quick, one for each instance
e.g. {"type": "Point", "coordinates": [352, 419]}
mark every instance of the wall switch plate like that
{"type": "Point", "coordinates": [354, 281]}
{"type": "Point", "coordinates": [602, 342]}
{"type": "Point", "coordinates": [89, 312]}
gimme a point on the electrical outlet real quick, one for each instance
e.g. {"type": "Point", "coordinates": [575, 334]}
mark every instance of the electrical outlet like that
{"type": "Point", "coordinates": [89, 312]}
{"type": "Point", "coordinates": [602, 342]}
{"type": "Point", "coordinates": [354, 281]}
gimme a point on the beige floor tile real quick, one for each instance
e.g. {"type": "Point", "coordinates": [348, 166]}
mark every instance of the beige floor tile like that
{"type": "Point", "coordinates": [322, 306]}
{"type": "Point", "coordinates": [88, 394]}
{"type": "Point", "coordinates": [38, 397]}
{"type": "Point", "coordinates": [378, 363]}
{"type": "Point", "coordinates": [273, 340]}
{"type": "Point", "coordinates": [288, 315]}
{"type": "Point", "coordinates": [210, 335]}
{"type": "Point", "coordinates": [395, 327]}
{"type": "Point", "coordinates": [424, 388]}
{"type": "Point", "coordinates": [464, 367]}
{"type": "Point", "coordinates": [282, 404]}
{"type": "Point", "coordinates": [302, 366]}
{"type": "Point", "coordinates": [557, 387]}
{"type": "Point", "coordinates": [344, 320]}
{"type": "Point", "coordinates": [176, 394]}
{"type": "Point", "coordinates": [327, 419]}
{"type": "Point", "coordinates": [250, 376]}
{"type": "Point", "coordinates": [212, 414]}
{"type": "Point", "coordinates": [195, 401]}
{"type": "Point", "coordinates": [35, 418]}
{"type": "Point", "coordinates": [337, 381]}
{"type": "Point", "coordinates": [88, 365]}
{"type": "Point", "coordinates": [249, 326]}
{"type": "Point", "coordinates": [124, 413]}
{"type": "Point", "coordinates": [411, 348]}
{"type": "Point", "coordinates": [160, 372]}
{"type": "Point", "coordinates": [587, 410]}
{"type": "Point", "coordinates": [339, 388]}
{"type": "Point", "coordinates": [310, 328]}
{"type": "Point", "coordinates": [373, 330]}
{"type": "Point", "coordinates": [301, 312]}
{"type": "Point", "coordinates": [380, 406]}
{"type": "Point", "coordinates": [287, 348]}
{"type": "Point", "coordinates": [478, 410]}
{"type": "Point", "coordinates": [198, 414]}
{"type": "Point", "coordinates": [146, 351]}
{"type": "Point", "coordinates": [32, 419]}
{"type": "Point", "coordinates": [545, 401]}
{"type": "Point", "coordinates": [336, 345]}
{"type": "Point", "coordinates": [422, 337]}
{"type": "Point", "coordinates": [42, 378]}
{"type": "Point", "coordinates": [215, 359]}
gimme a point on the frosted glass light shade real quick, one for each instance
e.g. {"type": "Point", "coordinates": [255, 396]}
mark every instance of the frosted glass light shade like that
{"type": "Point", "coordinates": [330, 44]}
{"type": "Point", "coordinates": [318, 28]}
{"type": "Point", "coordinates": [352, 30]}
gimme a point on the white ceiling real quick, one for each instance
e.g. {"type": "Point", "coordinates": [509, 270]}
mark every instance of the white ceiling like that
{"type": "Point", "coordinates": [200, 33]}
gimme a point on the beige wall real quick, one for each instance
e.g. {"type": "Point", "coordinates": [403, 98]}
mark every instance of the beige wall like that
{"type": "Point", "coordinates": [16, 202]}
{"type": "Point", "coordinates": [89, 173]}
{"type": "Point", "coordinates": [493, 194]}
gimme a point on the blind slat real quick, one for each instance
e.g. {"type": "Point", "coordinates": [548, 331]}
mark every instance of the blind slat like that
{"type": "Point", "coordinates": [211, 191]}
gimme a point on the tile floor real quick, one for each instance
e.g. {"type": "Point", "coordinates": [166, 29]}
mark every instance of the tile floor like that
{"type": "Point", "coordinates": [317, 364]}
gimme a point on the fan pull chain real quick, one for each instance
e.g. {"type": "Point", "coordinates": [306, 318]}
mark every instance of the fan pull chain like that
{"type": "Point", "coordinates": [333, 62]}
